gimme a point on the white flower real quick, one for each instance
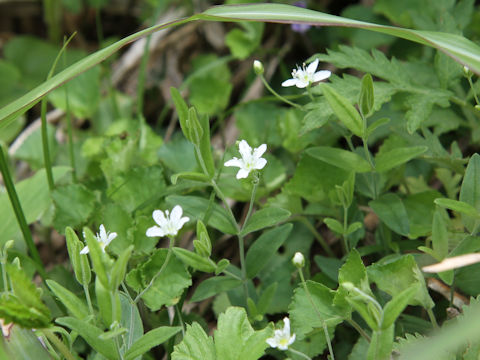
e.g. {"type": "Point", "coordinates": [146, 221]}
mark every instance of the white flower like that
{"type": "Point", "coordinates": [258, 67]}
{"type": "Point", "coordinates": [169, 223]}
{"type": "Point", "coordinates": [303, 77]}
{"type": "Point", "coordinates": [104, 238]}
{"type": "Point", "coordinates": [249, 161]}
{"type": "Point", "coordinates": [282, 338]}
{"type": "Point", "coordinates": [298, 260]}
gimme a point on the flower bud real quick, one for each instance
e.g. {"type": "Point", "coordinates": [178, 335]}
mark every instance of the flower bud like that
{"type": "Point", "coordinates": [258, 67]}
{"type": "Point", "coordinates": [298, 260]}
{"type": "Point", "coordinates": [467, 72]}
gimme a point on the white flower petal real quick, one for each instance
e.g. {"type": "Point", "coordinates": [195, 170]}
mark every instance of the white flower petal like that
{"type": "Point", "coordinates": [234, 162]}
{"type": "Point", "coordinates": [289, 82]}
{"type": "Point", "coordinates": [176, 214]}
{"type": "Point", "coordinates": [110, 237]}
{"type": "Point", "coordinates": [179, 224]}
{"type": "Point", "coordinates": [244, 149]}
{"type": "Point", "coordinates": [273, 342]}
{"type": "Point", "coordinates": [259, 151]}
{"type": "Point", "coordinates": [312, 66]}
{"type": "Point", "coordinates": [286, 326]}
{"type": "Point", "coordinates": [260, 163]}
{"type": "Point", "coordinates": [159, 217]}
{"type": "Point", "coordinates": [242, 173]}
{"type": "Point", "coordinates": [292, 339]}
{"type": "Point", "coordinates": [301, 84]}
{"type": "Point", "coordinates": [155, 231]}
{"type": "Point", "coordinates": [321, 75]}
{"type": "Point", "coordinates": [85, 250]}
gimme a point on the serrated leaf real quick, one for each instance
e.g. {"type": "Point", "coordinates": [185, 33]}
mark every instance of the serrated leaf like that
{"type": "Point", "coordinates": [235, 338]}
{"type": "Point", "coordinates": [264, 248]}
{"type": "Point", "coordinates": [214, 286]}
{"type": "Point", "coordinates": [344, 159]}
{"type": "Point", "coordinates": [91, 334]}
{"type": "Point", "coordinates": [395, 157]}
{"type": "Point", "coordinates": [151, 339]}
{"type": "Point", "coordinates": [196, 345]}
{"type": "Point", "coordinates": [354, 271]}
{"type": "Point", "coordinates": [263, 218]}
{"type": "Point", "coordinates": [74, 305]}
{"type": "Point", "coordinates": [194, 260]}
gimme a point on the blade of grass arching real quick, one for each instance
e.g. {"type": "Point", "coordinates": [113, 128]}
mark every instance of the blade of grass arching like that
{"type": "Point", "coordinates": [47, 160]}
{"type": "Point", "coordinates": [459, 48]}
{"type": "Point", "coordinates": [16, 108]}
{"type": "Point", "coordinates": [19, 214]}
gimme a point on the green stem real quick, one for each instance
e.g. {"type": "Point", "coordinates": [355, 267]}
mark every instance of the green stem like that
{"type": "Point", "coordinates": [345, 226]}
{"type": "Point", "coordinates": [357, 327]}
{"type": "Point", "coordinates": [473, 90]}
{"type": "Point", "coordinates": [141, 77]}
{"type": "Point", "coordinates": [433, 320]}
{"type": "Point", "coordinates": [327, 337]}
{"type": "Point", "coordinates": [252, 200]}
{"type": "Point", "coordinates": [372, 166]}
{"type": "Point", "coordinates": [89, 300]}
{"type": "Point", "coordinates": [180, 319]}
{"type": "Point", "coordinates": [280, 97]}
{"type": "Point", "coordinates": [299, 353]}
{"type": "Point", "coordinates": [164, 265]}
{"type": "Point", "coordinates": [46, 148]}
{"type": "Point", "coordinates": [58, 344]}
{"type": "Point", "coordinates": [19, 214]}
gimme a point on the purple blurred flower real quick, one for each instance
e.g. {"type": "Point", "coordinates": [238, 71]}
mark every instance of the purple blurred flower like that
{"type": "Point", "coordinates": [300, 28]}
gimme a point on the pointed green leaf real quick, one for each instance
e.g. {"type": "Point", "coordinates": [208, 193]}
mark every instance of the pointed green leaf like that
{"type": "Point", "coordinates": [391, 210]}
{"type": "Point", "coordinates": [96, 255]}
{"type": "Point", "coordinates": [73, 304]}
{"type": "Point", "coordinates": [366, 98]}
{"type": "Point", "coordinates": [344, 159]}
{"type": "Point", "coordinates": [395, 157]}
{"type": "Point", "coordinates": [263, 218]}
{"type": "Point", "coordinates": [120, 268]}
{"type": "Point", "coordinates": [460, 206]}
{"type": "Point", "coordinates": [151, 339]}
{"type": "Point", "coordinates": [439, 234]}
{"type": "Point", "coordinates": [194, 260]}
{"type": "Point", "coordinates": [189, 175]}
{"type": "Point", "coordinates": [396, 305]}
{"type": "Point", "coordinates": [264, 248]}
{"type": "Point", "coordinates": [182, 111]}
{"type": "Point", "coordinates": [470, 190]}
{"type": "Point", "coordinates": [334, 225]}
{"type": "Point", "coordinates": [214, 286]}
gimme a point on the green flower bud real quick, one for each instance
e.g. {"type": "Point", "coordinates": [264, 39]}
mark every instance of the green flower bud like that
{"type": "Point", "coordinates": [258, 67]}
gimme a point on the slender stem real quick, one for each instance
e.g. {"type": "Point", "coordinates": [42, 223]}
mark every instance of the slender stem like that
{"type": "Point", "coordinates": [58, 344]}
{"type": "Point", "coordinates": [299, 353]}
{"type": "Point", "coordinates": [372, 165]}
{"type": "Point", "coordinates": [315, 234]}
{"type": "Point", "coordinates": [180, 319]}
{"type": "Point", "coordinates": [252, 201]}
{"type": "Point", "coordinates": [473, 90]}
{"type": "Point", "coordinates": [433, 320]}
{"type": "Point", "coordinates": [357, 327]}
{"type": "Point", "coordinates": [280, 97]}
{"type": "Point", "coordinates": [71, 150]}
{"type": "Point", "coordinates": [46, 148]}
{"type": "Point", "coordinates": [117, 346]}
{"type": "Point", "coordinates": [345, 223]}
{"type": "Point", "coordinates": [327, 337]}
{"type": "Point", "coordinates": [141, 77]}
{"type": "Point", "coordinates": [89, 300]}
{"type": "Point", "coordinates": [164, 265]}
{"type": "Point", "coordinates": [19, 214]}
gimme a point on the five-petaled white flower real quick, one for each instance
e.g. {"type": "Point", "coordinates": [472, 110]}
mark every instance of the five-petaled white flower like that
{"type": "Point", "coordinates": [282, 339]}
{"type": "Point", "coordinates": [303, 77]}
{"type": "Point", "coordinates": [169, 223]}
{"type": "Point", "coordinates": [249, 161]}
{"type": "Point", "coordinates": [104, 238]}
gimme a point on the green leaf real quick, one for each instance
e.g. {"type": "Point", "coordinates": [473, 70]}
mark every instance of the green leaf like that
{"type": "Point", "coordinates": [263, 218]}
{"type": "Point", "coordinates": [390, 209]}
{"type": "Point", "coordinates": [366, 97]}
{"type": "Point", "coordinates": [334, 225]}
{"type": "Point", "coordinates": [167, 287]}
{"type": "Point", "coordinates": [470, 190]}
{"type": "Point", "coordinates": [105, 299]}
{"type": "Point", "coordinates": [214, 286]}
{"type": "Point", "coordinates": [393, 309]}
{"type": "Point", "coordinates": [235, 339]}
{"type": "Point", "coordinates": [96, 255]}
{"type": "Point", "coordinates": [80, 264]}
{"type": "Point", "coordinates": [196, 345]}
{"type": "Point", "coordinates": [189, 175]}
{"type": "Point", "coordinates": [182, 111]}
{"type": "Point", "coordinates": [22, 344]}
{"type": "Point", "coordinates": [243, 43]}
{"type": "Point", "coordinates": [266, 298]}
{"type": "Point", "coordinates": [439, 235]}
{"type": "Point", "coordinates": [120, 268]}
{"type": "Point", "coordinates": [344, 159]}
{"type": "Point", "coordinates": [74, 305]}
{"type": "Point", "coordinates": [204, 238]}
{"type": "Point", "coordinates": [396, 276]}
{"type": "Point", "coordinates": [151, 339]}
{"type": "Point", "coordinates": [195, 207]}
{"type": "Point", "coordinates": [35, 199]}
{"type": "Point", "coordinates": [357, 225]}
{"type": "Point", "coordinates": [353, 271]}
{"type": "Point", "coordinates": [381, 344]}
{"type": "Point", "coordinates": [390, 159]}
{"type": "Point", "coordinates": [91, 334]}
{"type": "Point", "coordinates": [222, 265]}
{"type": "Point", "coordinates": [344, 110]}
{"type": "Point", "coordinates": [460, 206]}
{"type": "Point", "coordinates": [12, 311]}
{"type": "Point", "coordinates": [193, 127]}
{"type": "Point", "coordinates": [264, 248]}
{"type": "Point", "coordinates": [376, 124]}
{"type": "Point", "coordinates": [205, 146]}
{"type": "Point", "coordinates": [306, 318]}
{"type": "Point", "coordinates": [194, 260]}
{"type": "Point", "coordinates": [132, 322]}
{"type": "Point", "coordinates": [74, 204]}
